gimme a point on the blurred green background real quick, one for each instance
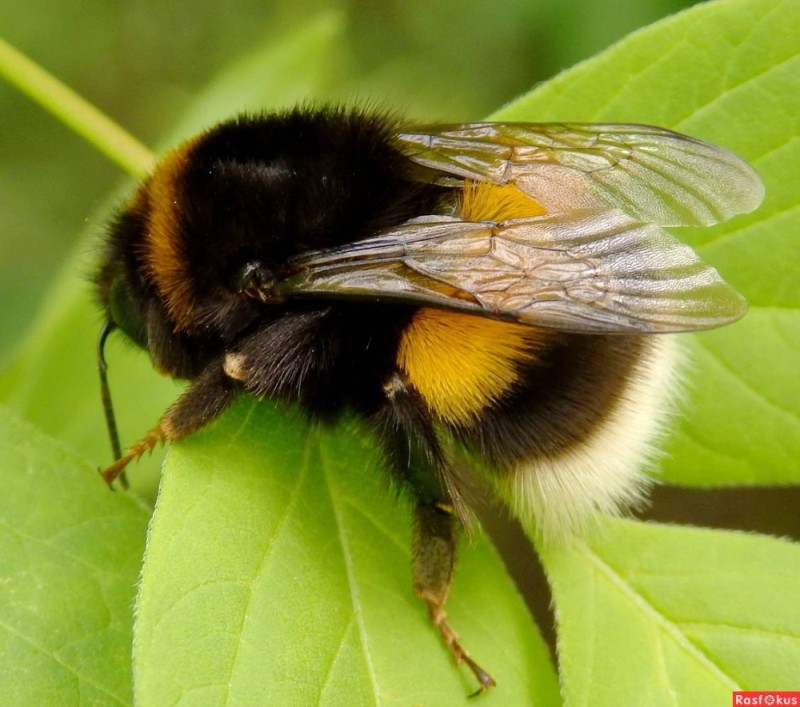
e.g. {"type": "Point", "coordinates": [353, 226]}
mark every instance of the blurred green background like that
{"type": "Point", "coordinates": [143, 61]}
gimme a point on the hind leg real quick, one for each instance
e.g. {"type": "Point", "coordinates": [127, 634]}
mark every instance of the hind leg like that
{"type": "Point", "coordinates": [419, 463]}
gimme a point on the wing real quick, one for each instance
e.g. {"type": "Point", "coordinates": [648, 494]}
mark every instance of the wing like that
{"type": "Point", "coordinates": [652, 174]}
{"type": "Point", "coordinates": [584, 270]}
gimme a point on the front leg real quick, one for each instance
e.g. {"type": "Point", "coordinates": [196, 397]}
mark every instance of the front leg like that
{"type": "Point", "coordinates": [420, 464]}
{"type": "Point", "coordinates": [206, 398]}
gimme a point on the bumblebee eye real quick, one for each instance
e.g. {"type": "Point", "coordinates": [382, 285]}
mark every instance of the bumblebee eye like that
{"type": "Point", "coordinates": [255, 280]}
{"type": "Point", "coordinates": [127, 312]}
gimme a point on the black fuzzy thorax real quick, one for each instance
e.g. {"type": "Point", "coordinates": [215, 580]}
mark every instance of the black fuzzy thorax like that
{"type": "Point", "coordinates": [329, 359]}
{"type": "Point", "coordinates": [268, 188]}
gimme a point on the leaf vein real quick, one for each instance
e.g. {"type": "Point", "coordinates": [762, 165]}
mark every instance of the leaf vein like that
{"type": "Point", "coordinates": [669, 627]}
{"type": "Point", "coordinates": [352, 582]}
{"type": "Point", "coordinates": [70, 669]}
{"type": "Point", "coordinates": [753, 390]}
{"type": "Point", "coordinates": [268, 545]}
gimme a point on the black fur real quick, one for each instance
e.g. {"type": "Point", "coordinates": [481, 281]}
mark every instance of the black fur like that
{"type": "Point", "coordinates": [265, 190]}
{"type": "Point", "coordinates": [328, 359]}
{"type": "Point", "coordinates": [561, 397]}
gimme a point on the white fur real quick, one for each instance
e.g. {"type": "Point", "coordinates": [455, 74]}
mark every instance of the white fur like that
{"type": "Point", "coordinates": [606, 473]}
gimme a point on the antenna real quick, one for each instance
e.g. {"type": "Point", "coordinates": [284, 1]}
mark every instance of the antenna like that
{"type": "Point", "coordinates": [105, 394]}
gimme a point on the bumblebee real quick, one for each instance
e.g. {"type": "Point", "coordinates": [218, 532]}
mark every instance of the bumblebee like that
{"type": "Point", "coordinates": [483, 291]}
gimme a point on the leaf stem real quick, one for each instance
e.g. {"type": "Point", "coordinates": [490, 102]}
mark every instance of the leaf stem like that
{"type": "Point", "coordinates": [72, 110]}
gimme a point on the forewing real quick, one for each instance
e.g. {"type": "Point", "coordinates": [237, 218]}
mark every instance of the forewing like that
{"type": "Point", "coordinates": [652, 174]}
{"type": "Point", "coordinates": [587, 270]}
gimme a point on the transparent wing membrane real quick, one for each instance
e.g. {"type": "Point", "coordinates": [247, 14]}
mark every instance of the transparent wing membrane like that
{"type": "Point", "coordinates": [652, 174]}
{"type": "Point", "coordinates": [587, 270]}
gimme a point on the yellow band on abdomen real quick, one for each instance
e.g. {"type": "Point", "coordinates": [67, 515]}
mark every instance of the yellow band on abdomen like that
{"type": "Point", "coordinates": [460, 363]}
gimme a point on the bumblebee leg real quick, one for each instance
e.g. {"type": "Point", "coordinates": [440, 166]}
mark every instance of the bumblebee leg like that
{"type": "Point", "coordinates": [434, 559]}
{"type": "Point", "coordinates": [207, 397]}
{"type": "Point", "coordinates": [416, 456]}
{"type": "Point", "coordinates": [421, 465]}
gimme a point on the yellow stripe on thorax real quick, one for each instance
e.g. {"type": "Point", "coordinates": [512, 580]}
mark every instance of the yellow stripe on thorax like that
{"type": "Point", "coordinates": [462, 363]}
{"type": "Point", "coordinates": [484, 201]}
{"type": "Point", "coordinates": [163, 250]}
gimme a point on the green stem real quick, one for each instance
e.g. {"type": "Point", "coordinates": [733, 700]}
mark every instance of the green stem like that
{"type": "Point", "coordinates": [95, 127]}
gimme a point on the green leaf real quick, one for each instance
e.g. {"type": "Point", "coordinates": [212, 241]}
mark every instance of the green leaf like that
{"type": "Point", "coordinates": [727, 72]}
{"type": "Point", "coordinates": [273, 567]}
{"type": "Point", "coordinates": [70, 560]}
{"type": "Point", "coordinates": [278, 571]}
{"type": "Point", "coordinates": [661, 615]}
